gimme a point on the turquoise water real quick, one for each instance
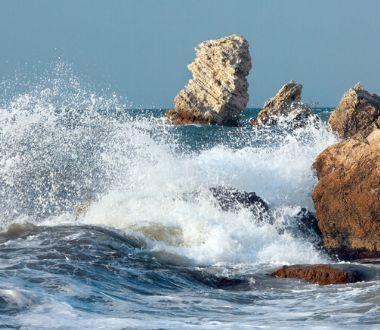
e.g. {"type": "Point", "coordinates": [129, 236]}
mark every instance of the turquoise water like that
{"type": "Point", "coordinates": [108, 220]}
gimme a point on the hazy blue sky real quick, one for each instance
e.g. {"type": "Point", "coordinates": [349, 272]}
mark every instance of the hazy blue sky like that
{"type": "Point", "coordinates": [141, 48]}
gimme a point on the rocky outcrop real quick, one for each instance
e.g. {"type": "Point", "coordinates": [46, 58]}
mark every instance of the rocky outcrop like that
{"type": "Point", "coordinates": [286, 103]}
{"type": "Point", "coordinates": [322, 274]}
{"type": "Point", "coordinates": [218, 91]}
{"type": "Point", "coordinates": [357, 112]}
{"type": "Point", "coordinates": [347, 197]}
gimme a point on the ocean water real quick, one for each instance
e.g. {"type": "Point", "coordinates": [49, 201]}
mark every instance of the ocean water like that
{"type": "Point", "coordinates": [107, 220]}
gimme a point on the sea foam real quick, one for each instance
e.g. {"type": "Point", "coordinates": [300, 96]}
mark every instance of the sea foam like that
{"type": "Point", "coordinates": [62, 144]}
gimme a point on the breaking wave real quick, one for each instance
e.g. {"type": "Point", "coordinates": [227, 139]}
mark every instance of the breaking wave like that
{"type": "Point", "coordinates": [69, 155]}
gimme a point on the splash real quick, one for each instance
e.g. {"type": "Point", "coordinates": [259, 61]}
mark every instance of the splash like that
{"type": "Point", "coordinates": [62, 145]}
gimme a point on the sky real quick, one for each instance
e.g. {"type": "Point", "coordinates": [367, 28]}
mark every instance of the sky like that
{"type": "Point", "coordinates": [140, 49]}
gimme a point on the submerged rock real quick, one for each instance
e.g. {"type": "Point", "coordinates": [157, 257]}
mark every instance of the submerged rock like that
{"type": "Point", "coordinates": [357, 112]}
{"type": "Point", "coordinates": [218, 91]}
{"type": "Point", "coordinates": [286, 103]}
{"type": "Point", "coordinates": [347, 197]}
{"type": "Point", "coordinates": [321, 274]}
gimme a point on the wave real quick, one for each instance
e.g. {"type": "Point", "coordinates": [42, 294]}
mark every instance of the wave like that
{"type": "Point", "coordinates": [62, 145]}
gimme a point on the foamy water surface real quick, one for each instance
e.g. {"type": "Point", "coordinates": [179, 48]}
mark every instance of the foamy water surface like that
{"type": "Point", "coordinates": [108, 219]}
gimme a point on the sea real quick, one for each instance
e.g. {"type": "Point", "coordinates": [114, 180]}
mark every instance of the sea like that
{"type": "Point", "coordinates": [108, 222]}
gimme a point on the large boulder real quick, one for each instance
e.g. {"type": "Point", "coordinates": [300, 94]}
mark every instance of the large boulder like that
{"type": "Point", "coordinates": [347, 197]}
{"type": "Point", "coordinates": [323, 274]}
{"type": "Point", "coordinates": [357, 112]}
{"type": "Point", "coordinates": [285, 104]}
{"type": "Point", "coordinates": [218, 91]}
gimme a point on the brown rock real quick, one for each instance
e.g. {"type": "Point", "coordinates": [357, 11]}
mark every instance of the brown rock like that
{"type": "Point", "coordinates": [347, 197]}
{"type": "Point", "coordinates": [357, 112]}
{"type": "Point", "coordinates": [218, 91]}
{"type": "Point", "coordinates": [287, 102]}
{"type": "Point", "coordinates": [319, 274]}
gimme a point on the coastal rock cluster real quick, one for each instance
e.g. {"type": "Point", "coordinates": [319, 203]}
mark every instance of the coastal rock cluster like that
{"type": "Point", "coordinates": [347, 195]}
{"type": "Point", "coordinates": [218, 90]}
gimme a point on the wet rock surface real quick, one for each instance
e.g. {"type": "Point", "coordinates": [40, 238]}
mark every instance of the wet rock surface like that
{"type": "Point", "coordinates": [218, 90]}
{"type": "Point", "coordinates": [357, 112]}
{"type": "Point", "coordinates": [347, 197]}
{"type": "Point", "coordinates": [323, 274]}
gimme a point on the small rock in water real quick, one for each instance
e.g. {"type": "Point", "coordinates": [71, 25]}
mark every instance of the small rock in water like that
{"type": "Point", "coordinates": [231, 199]}
{"type": "Point", "coordinates": [347, 197]}
{"type": "Point", "coordinates": [218, 91]}
{"type": "Point", "coordinates": [286, 103]}
{"type": "Point", "coordinates": [357, 112]}
{"type": "Point", "coordinates": [320, 274]}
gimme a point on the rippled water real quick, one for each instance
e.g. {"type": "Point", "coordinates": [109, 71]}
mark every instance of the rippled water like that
{"type": "Point", "coordinates": [108, 220]}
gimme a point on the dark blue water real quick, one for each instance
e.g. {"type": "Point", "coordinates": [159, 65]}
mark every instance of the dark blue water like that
{"type": "Point", "coordinates": [108, 221]}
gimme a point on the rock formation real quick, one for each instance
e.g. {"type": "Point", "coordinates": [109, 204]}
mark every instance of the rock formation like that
{"type": "Point", "coordinates": [347, 197]}
{"type": "Point", "coordinates": [321, 274]}
{"type": "Point", "coordinates": [357, 112]}
{"type": "Point", "coordinates": [287, 102]}
{"type": "Point", "coordinates": [218, 91]}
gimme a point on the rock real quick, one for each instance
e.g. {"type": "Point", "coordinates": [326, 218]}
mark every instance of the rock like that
{"type": "Point", "coordinates": [307, 225]}
{"type": "Point", "coordinates": [231, 199]}
{"type": "Point", "coordinates": [322, 274]}
{"type": "Point", "coordinates": [357, 112]}
{"type": "Point", "coordinates": [347, 197]}
{"type": "Point", "coordinates": [218, 91]}
{"type": "Point", "coordinates": [286, 103]}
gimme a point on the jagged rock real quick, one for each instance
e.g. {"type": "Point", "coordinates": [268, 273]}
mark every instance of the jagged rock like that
{"type": "Point", "coordinates": [347, 197]}
{"type": "Point", "coordinates": [307, 224]}
{"type": "Point", "coordinates": [322, 274]}
{"type": "Point", "coordinates": [218, 91]}
{"type": "Point", "coordinates": [231, 199]}
{"type": "Point", "coordinates": [357, 112]}
{"type": "Point", "coordinates": [286, 103]}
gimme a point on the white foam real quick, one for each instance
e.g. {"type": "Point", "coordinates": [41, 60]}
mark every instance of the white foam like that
{"type": "Point", "coordinates": [57, 148]}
